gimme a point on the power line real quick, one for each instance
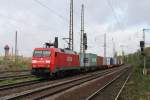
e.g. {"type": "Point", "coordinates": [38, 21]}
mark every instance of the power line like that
{"type": "Point", "coordinates": [115, 15]}
{"type": "Point", "coordinates": [51, 10]}
{"type": "Point", "coordinates": [19, 23]}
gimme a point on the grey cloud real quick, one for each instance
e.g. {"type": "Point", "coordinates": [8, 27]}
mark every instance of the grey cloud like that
{"type": "Point", "coordinates": [36, 24]}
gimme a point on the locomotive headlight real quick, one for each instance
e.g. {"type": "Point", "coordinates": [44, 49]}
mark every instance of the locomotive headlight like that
{"type": "Point", "coordinates": [34, 61]}
{"type": "Point", "coordinates": [47, 61]}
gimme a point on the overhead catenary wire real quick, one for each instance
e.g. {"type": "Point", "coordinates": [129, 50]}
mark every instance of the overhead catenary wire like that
{"type": "Point", "coordinates": [115, 15]}
{"type": "Point", "coordinates": [51, 10]}
{"type": "Point", "coordinates": [18, 23]}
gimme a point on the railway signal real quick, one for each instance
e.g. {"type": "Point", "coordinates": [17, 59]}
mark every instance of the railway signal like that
{"type": "Point", "coordinates": [85, 41]}
{"type": "Point", "coordinates": [84, 46]}
{"type": "Point", "coordinates": [142, 45]}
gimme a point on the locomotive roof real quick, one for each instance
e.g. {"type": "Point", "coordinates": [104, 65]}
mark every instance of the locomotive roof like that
{"type": "Point", "coordinates": [57, 50]}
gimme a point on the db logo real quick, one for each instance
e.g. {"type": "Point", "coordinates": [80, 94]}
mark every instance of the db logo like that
{"type": "Point", "coordinates": [69, 59]}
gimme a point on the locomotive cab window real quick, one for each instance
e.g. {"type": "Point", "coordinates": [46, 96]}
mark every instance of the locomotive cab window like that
{"type": "Point", "coordinates": [46, 53]}
{"type": "Point", "coordinates": [41, 53]}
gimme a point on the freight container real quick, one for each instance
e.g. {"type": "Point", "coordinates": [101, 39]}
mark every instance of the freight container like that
{"type": "Point", "coordinates": [115, 61]}
{"type": "Point", "coordinates": [111, 61]}
{"type": "Point", "coordinates": [119, 60]}
{"type": "Point", "coordinates": [108, 60]}
{"type": "Point", "coordinates": [100, 60]}
{"type": "Point", "coordinates": [90, 60]}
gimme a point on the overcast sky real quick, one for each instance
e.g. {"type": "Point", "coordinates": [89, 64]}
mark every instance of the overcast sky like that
{"type": "Point", "coordinates": [39, 21]}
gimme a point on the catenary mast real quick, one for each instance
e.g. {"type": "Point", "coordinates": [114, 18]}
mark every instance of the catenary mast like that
{"type": "Point", "coordinates": [71, 26]}
{"type": "Point", "coordinates": [82, 28]}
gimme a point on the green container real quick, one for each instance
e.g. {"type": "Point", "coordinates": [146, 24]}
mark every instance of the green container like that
{"type": "Point", "coordinates": [91, 59]}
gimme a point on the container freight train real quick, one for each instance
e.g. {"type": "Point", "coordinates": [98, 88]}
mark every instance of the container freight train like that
{"type": "Point", "coordinates": [53, 61]}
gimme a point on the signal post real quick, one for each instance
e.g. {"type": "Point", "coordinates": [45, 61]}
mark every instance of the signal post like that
{"type": "Point", "coordinates": [142, 45]}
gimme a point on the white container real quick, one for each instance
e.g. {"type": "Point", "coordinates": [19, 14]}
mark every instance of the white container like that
{"type": "Point", "coordinates": [108, 61]}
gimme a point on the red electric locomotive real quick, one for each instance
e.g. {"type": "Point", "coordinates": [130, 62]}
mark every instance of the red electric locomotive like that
{"type": "Point", "coordinates": [52, 60]}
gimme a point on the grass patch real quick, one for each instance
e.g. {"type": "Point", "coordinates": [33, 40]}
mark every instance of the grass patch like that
{"type": "Point", "coordinates": [10, 65]}
{"type": "Point", "coordinates": [138, 86]}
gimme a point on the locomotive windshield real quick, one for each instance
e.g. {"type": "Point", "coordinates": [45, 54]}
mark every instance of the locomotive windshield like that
{"type": "Point", "coordinates": [41, 53]}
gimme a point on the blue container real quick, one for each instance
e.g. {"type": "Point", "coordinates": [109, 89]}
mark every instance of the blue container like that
{"type": "Point", "coordinates": [111, 61]}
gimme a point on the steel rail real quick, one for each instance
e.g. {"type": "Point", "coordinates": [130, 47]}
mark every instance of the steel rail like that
{"type": "Point", "coordinates": [116, 98]}
{"type": "Point", "coordinates": [24, 93]}
{"type": "Point", "coordinates": [1, 72]}
{"type": "Point", "coordinates": [20, 84]}
{"type": "Point", "coordinates": [89, 79]}
{"type": "Point", "coordinates": [15, 77]}
{"type": "Point", "coordinates": [102, 88]}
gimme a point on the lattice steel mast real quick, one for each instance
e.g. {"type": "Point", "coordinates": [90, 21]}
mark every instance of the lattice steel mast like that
{"type": "Point", "coordinates": [71, 26]}
{"type": "Point", "coordinates": [82, 28]}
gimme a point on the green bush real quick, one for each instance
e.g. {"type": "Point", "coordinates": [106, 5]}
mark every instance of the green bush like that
{"type": "Point", "coordinates": [137, 59]}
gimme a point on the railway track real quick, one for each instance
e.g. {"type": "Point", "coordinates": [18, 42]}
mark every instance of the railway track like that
{"type": "Point", "coordinates": [23, 86]}
{"type": "Point", "coordinates": [106, 92]}
{"type": "Point", "coordinates": [120, 91]}
{"type": "Point", "coordinates": [53, 89]}
{"type": "Point", "coordinates": [81, 92]}
{"type": "Point", "coordinates": [10, 73]}
{"type": "Point", "coordinates": [2, 72]}
{"type": "Point", "coordinates": [7, 75]}
{"type": "Point", "coordinates": [16, 77]}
